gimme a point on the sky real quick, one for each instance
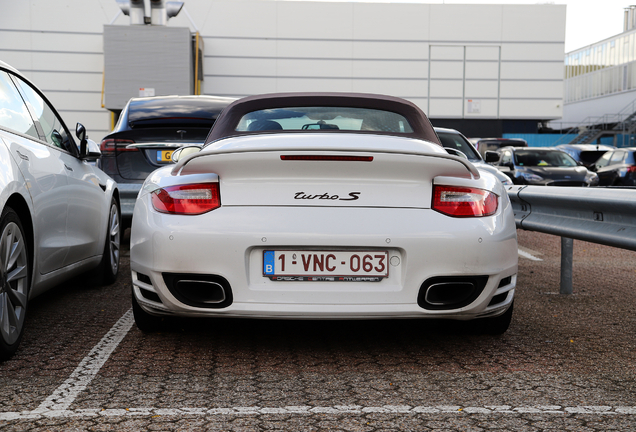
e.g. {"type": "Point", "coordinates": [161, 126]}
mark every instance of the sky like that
{"type": "Point", "coordinates": [587, 21]}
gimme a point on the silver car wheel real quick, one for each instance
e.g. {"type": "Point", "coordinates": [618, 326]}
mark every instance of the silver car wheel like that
{"type": "Point", "coordinates": [113, 239]}
{"type": "Point", "coordinates": [14, 276]}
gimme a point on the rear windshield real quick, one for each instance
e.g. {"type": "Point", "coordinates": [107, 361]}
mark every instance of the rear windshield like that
{"type": "Point", "coordinates": [324, 118]}
{"type": "Point", "coordinates": [174, 112]}
{"type": "Point", "coordinates": [544, 158]}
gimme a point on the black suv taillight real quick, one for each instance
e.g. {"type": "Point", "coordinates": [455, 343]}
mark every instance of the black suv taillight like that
{"type": "Point", "coordinates": [112, 146]}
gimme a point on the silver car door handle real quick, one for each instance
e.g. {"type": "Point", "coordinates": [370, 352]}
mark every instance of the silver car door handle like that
{"type": "Point", "coordinates": [68, 167]}
{"type": "Point", "coordinates": [25, 157]}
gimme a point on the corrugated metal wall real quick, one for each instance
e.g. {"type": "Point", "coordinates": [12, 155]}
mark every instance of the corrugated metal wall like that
{"type": "Point", "coordinates": [155, 58]}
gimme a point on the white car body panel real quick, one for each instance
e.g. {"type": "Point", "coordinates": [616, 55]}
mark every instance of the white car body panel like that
{"type": "Point", "coordinates": [396, 180]}
{"type": "Point", "coordinates": [260, 212]}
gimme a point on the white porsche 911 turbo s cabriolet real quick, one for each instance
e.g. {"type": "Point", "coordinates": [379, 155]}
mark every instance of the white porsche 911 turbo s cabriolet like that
{"type": "Point", "coordinates": [323, 206]}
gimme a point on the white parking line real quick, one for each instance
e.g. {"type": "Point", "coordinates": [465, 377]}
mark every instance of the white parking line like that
{"type": "Point", "coordinates": [353, 410]}
{"type": "Point", "coordinates": [525, 254]}
{"type": "Point", "coordinates": [88, 368]}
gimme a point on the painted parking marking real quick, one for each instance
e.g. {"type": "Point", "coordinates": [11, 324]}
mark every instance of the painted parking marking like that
{"type": "Point", "coordinates": [57, 405]}
{"type": "Point", "coordinates": [353, 410]}
{"type": "Point", "coordinates": [528, 255]}
{"type": "Point", "coordinates": [65, 394]}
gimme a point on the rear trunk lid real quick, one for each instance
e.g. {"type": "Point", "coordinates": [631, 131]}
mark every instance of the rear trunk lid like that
{"type": "Point", "coordinates": [327, 170]}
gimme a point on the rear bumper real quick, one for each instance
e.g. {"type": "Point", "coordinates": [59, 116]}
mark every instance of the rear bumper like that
{"type": "Point", "coordinates": [229, 243]}
{"type": "Point", "coordinates": [332, 312]}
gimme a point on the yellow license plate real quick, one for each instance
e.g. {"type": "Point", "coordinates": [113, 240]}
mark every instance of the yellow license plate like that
{"type": "Point", "coordinates": [164, 155]}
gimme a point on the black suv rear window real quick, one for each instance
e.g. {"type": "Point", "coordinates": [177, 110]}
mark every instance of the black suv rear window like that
{"type": "Point", "coordinates": [171, 112]}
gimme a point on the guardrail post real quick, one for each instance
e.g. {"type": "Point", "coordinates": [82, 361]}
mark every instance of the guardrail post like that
{"type": "Point", "coordinates": [567, 252]}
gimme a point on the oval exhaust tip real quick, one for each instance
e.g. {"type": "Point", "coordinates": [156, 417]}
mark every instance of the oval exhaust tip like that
{"type": "Point", "coordinates": [448, 293]}
{"type": "Point", "coordinates": [202, 291]}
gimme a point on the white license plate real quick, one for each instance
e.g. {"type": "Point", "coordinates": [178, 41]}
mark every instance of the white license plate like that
{"type": "Point", "coordinates": [337, 266]}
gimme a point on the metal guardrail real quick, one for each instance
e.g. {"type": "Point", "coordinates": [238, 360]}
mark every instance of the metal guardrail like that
{"type": "Point", "coordinates": [599, 215]}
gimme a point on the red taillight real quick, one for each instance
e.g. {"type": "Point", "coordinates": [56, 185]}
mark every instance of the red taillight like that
{"type": "Point", "coordinates": [110, 146]}
{"type": "Point", "coordinates": [464, 201]}
{"type": "Point", "coordinates": [331, 158]}
{"type": "Point", "coordinates": [192, 199]}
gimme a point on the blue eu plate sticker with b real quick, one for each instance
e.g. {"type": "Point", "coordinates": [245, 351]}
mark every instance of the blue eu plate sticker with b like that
{"type": "Point", "coordinates": [268, 262]}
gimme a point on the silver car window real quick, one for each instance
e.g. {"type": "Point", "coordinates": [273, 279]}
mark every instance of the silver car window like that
{"type": "Point", "coordinates": [457, 142]}
{"type": "Point", "coordinates": [54, 132]}
{"type": "Point", "coordinates": [13, 112]}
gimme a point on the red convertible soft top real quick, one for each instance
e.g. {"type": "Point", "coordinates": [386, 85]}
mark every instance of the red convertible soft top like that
{"type": "Point", "coordinates": [226, 123]}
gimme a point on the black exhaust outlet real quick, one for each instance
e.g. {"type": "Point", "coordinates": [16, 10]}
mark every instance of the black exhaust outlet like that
{"type": "Point", "coordinates": [450, 292]}
{"type": "Point", "coordinates": [204, 291]}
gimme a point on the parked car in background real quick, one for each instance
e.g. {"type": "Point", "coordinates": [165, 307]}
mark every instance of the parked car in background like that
{"type": "Point", "coordinates": [586, 154]}
{"type": "Point", "coordinates": [147, 132]}
{"type": "Point", "coordinates": [59, 213]}
{"type": "Point", "coordinates": [454, 142]}
{"type": "Point", "coordinates": [543, 167]}
{"type": "Point", "coordinates": [323, 206]}
{"type": "Point", "coordinates": [617, 167]}
{"type": "Point", "coordinates": [493, 144]}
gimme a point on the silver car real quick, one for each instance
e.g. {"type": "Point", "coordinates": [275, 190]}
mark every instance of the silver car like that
{"type": "Point", "coordinates": [59, 214]}
{"type": "Point", "coordinates": [457, 144]}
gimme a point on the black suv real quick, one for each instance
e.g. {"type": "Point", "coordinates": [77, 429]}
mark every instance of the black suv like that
{"type": "Point", "coordinates": [146, 134]}
{"type": "Point", "coordinates": [617, 167]}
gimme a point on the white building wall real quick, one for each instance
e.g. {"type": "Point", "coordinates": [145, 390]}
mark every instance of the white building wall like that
{"type": "Point", "coordinates": [610, 108]}
{"type": "Point", "coordinates": [58, 45]}
{"type": "Point", "coordinates": [600, 82]}
{"type": "Point", "coordinates": [454, 61]}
